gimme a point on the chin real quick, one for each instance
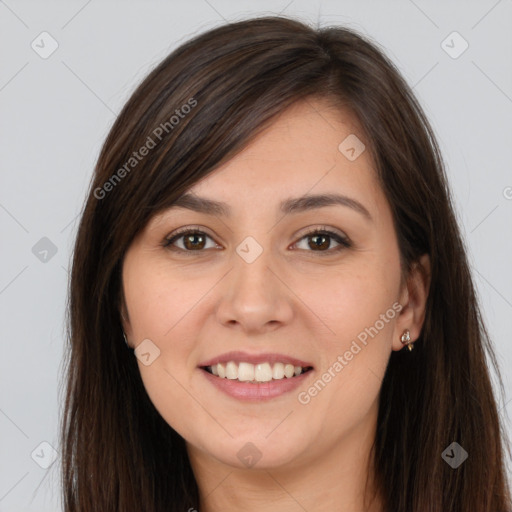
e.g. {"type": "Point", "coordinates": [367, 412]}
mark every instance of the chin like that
{"type": "Point", "coordinates": [256, 452]}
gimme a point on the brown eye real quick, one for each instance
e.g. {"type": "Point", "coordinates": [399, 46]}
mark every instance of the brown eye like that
{"type": "Point", "coordinates": [321, 240]}
{"type": "Point", "coordinates": [192, 240]}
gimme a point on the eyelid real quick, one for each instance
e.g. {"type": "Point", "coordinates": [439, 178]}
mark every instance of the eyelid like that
{"type": "Point", "coordinates": [314, 228]}
{"type": "Point", "coordinates": [185, 229]}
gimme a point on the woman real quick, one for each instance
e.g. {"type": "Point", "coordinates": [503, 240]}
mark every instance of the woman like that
{"type": "Point", "coordinates": [270, 230]}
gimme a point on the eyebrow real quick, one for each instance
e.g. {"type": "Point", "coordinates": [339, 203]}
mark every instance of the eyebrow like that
{"type": "Point", "coordinates": [291, 205]}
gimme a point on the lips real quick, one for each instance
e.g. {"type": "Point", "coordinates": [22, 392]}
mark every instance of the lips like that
{"type": "Point", "coordinates": [256, 391]}
{"type": "Point", "coordinates": [255, 376]}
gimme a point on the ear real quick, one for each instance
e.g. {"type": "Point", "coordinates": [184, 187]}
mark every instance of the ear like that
{"type": "Point", "coordinates": [125, 319]}
{"type": "Point", "coordinates": [413, 298]}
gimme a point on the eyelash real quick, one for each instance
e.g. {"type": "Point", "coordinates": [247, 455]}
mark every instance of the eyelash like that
{"type": "Point", "coordinates": [344, 243]}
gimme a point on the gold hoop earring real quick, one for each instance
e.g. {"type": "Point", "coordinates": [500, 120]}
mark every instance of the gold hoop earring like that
{"type": "Point", "coordinates": [406, 340]}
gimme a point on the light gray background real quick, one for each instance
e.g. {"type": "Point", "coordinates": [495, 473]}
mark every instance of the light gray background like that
{"type": "Point", "coordinates": [55, 113]}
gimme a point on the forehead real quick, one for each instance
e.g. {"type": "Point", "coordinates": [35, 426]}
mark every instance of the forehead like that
{"type": "Point", "coordinates": [312, 147]}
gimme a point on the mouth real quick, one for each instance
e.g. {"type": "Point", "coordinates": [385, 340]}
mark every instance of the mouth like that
{"type": "Point", "coordinates": [258, 373]}
{"type": "Point", "coordinates": [255, 377]}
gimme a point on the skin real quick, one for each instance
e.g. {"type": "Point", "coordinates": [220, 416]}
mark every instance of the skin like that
{"type": "Point", "coordinates": [295, 299]}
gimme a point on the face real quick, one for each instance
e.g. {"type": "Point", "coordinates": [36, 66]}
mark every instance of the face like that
{"type": "Point", "coordinates": [269, 284]}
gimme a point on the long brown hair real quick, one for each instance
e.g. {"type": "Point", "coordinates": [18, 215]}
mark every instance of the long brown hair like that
{"type": "Point", "coordinates": [194, 111]}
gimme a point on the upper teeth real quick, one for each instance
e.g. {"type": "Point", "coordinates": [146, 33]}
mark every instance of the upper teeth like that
{"type": "Point", "coordinates": [262, 372]}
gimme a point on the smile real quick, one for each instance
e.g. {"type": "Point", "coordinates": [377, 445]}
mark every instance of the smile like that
{"type": "Point", "coordinates": [255, 377]}
{"type": "Point", "coordinates": [254, 373]}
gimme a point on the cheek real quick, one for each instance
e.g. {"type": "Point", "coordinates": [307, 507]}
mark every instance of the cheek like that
{"type": "Point", "coordinates": [352, 302]}
{"type": "Point", "coordinates": [359, 310]}
{"type": "Point", "coordinates": [157, 300]}
{"type": "Point", "coordinates": [161, 309]}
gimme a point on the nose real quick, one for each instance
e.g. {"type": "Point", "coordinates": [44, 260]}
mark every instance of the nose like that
{"type": "Point", "coordinates": [254, 296]}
